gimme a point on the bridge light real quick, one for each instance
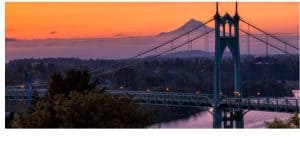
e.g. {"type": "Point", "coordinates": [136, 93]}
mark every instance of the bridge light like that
{"type": "Point", "coordinates": [258, 93]}
{"type": "Point", "coordinates": [121, 87]}
{"type": "Point", "coordinates": [167, 89]}
{"type": "Point", "coordinates": [237, 93]}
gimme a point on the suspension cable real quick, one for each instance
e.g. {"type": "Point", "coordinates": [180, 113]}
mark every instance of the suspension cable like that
{"type": "Point", "coordinates": [158, 46]}
{"type": "Point", "coordinates": [142, 53]}
{"type": "Point", "coordinates": [279, 49]}
{"type": "Point", "coordinates": [268, 34]}
{"type": "Point", "coordinates": [250, 34]}
{"type": "Point", "coordinates": [161, 53]}
{"type": "Point", "coordinates": [284, 51]}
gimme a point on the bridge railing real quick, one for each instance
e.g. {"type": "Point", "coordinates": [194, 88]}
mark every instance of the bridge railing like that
{"type": "Point", "coordinates": [278, 104]}
{"type": "Point", "coordinates": [168, 98]}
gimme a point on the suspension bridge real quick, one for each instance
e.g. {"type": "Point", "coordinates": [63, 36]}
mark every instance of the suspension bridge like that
{"type": "Point", "coordinates": [227, 111]}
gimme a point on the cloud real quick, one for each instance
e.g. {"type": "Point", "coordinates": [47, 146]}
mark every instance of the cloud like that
{"type": "Point", "coordinates": [120, 35]}
{"type": "Point", "coordinates": [11, 39]}
{"type": "Point", "coordinates": [52, 32]}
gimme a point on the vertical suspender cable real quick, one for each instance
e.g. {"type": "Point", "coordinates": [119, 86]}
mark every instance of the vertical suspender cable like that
{"type": "Point", "coordinates": [160, 85]}
{"type": "Point", "coordinates": [248, 63]}
{"type": "Point", "coordinates": [175, 70]}
{"type": "Point", "coordinates": [141, 74]}
{"type": "Point", "coordinates": [191, 49]}
{"type": "Point", "coordinates": [267, 68]}
{"type": "Point", "coordinates": [206, 41]}
{"type": "Point", "coordinates": [206, 51]}
{"type": "Point", "coordinates": [174, 57]}
{"type": "Point", "coordinates": [285, 72]}
{"type": "Point", "coordinates": [188, 56]}
{"type": "Point", "coordinates": [156, 72]}
{"type": "Point", "coordinates": [207, 54]}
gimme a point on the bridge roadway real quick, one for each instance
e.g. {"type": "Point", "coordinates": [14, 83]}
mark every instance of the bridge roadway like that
{"type": "Point", "coordinates": [16, 97]}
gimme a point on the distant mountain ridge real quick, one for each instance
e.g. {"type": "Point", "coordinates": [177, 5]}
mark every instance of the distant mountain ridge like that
{"type": "Point", "coordinates": [189, 25]}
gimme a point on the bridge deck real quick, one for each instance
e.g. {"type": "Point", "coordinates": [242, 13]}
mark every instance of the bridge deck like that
{"type": "Point", "coordinates": [280, 104]}
{"type": "Point", "coordinates": [16, 100]}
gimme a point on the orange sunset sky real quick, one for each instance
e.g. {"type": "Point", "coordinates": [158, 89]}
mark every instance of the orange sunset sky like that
{"type": "Point", "coordinates": [32, 20]}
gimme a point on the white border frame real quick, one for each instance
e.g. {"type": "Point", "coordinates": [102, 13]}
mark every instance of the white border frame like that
{"type": "Point", "coordinates": [149, 139]}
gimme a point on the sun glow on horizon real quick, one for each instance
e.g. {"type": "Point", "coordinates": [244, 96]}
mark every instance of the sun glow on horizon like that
{"type": "Point", "coordinates": [46, 20]}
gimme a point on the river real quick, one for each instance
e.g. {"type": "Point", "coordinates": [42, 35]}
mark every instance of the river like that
{"type": "Point", "coordinates": [252, 119]}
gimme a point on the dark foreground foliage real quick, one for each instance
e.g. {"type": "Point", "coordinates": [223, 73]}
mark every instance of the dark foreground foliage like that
{"type": "Point", "coordinates": [89, 109]}
{"type": "Point", "coordinates": [73, 102]}
{"type": "Point", "coordinates": [292, 122]}
{"type": "Point", "coordinates": [72, 81]}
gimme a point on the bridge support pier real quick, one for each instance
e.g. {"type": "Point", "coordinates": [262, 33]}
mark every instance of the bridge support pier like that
{"type": "Point", "coordinates": [217, 117]}
{"type": "Point", "coordinates": [232, 119]}
{"type": "Point", "coordinates": [223, 41]}
{"type": "Point", "coordinates": [239, 119]}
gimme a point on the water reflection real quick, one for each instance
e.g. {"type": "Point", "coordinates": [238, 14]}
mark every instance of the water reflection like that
{"type": "Point", "coordinates": [253, 119]}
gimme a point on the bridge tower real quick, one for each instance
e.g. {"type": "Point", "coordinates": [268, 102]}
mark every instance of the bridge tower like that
{"type": "Point", "coordinates": [226, 35]}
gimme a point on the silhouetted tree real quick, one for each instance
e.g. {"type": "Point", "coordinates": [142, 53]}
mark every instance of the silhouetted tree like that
{"type": "Point", "coordinates": [73, 81]}
{"type": "Point", "coordinates": [8, 120]}
{"type": "Point", "coordinates": [75, 103]}
{"type": "Point", "coordinates": [89, 109]}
